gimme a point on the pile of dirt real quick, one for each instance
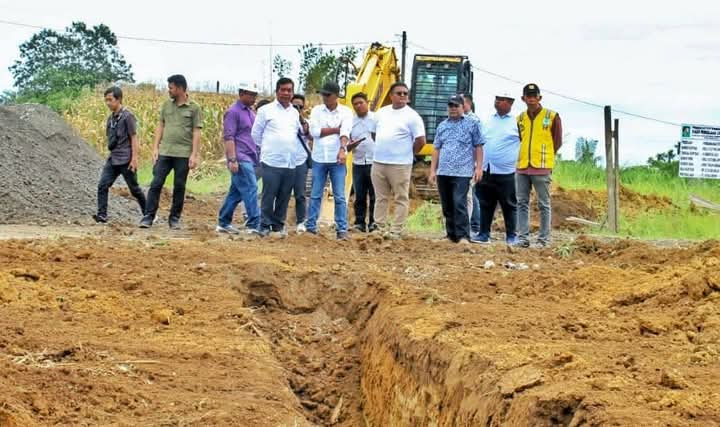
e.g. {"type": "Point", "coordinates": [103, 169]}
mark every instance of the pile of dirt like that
{"type": "Point", "coordinates": [48, 173]}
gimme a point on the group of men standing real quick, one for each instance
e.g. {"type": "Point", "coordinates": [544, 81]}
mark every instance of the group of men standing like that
{"type": "Point", "coordinates": [475, 165]}
{"type": "Point", "coordinates": [500, 160]}
{"type": "Point", "coordinates": [285, 146]}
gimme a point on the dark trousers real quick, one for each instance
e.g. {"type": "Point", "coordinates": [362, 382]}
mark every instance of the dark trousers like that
{"type": "Point", "coordinates": [363, 187]}
{"type": "Point", "coordinates": [108, 176]}
{"type": "Point", "coordinates": [181, 167]}
{"type": "Point", "coordinates": [298, 190]}
{"type": "Point", "coordinates": [453, 198]}
{"type": "Point", "coordinates": [491, 190]}
{"type": "Point", "coordinates": [277, 187]}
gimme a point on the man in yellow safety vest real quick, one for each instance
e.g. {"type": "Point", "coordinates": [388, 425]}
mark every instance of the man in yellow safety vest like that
{"type": "Point", "coordinates": [540, 138]}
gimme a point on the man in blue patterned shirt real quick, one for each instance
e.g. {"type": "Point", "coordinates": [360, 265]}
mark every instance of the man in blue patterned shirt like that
{"type": "Point", "coordinates": [456, 161]}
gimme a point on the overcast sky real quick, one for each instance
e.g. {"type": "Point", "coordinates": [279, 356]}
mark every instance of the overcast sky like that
{"type": "Point", "coordinates": [659, 59]}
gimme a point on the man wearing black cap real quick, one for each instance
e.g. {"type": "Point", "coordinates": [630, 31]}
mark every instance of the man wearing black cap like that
{"type": "Point", "coordinates": [456, 161]}
{"type": "Point", "coordinates": [330, 125]}
{"type": "Point", "coordinates": [540, 138]}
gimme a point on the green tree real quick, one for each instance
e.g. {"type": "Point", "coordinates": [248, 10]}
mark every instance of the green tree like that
{"type": "Point", "coordinates": [585, 151]}
{"type": "Point", "coordinates": [318, 66]}
{"type": "Point", "coordinates": [65, 62]}
{"type": "Point", "coordinates": [665, 162]}
{"type": "Point", "coordinates": [281, 66]}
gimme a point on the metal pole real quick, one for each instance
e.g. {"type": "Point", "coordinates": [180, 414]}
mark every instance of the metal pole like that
{"type": "Point", "coordinates": [404, 54]}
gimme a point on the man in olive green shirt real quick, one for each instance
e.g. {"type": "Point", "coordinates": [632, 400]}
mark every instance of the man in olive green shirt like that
{"type": "Point", "coordinates": [176, 148]}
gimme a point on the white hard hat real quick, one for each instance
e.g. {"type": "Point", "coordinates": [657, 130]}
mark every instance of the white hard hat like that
{"type": "Point", "coordinates": [249, 87]}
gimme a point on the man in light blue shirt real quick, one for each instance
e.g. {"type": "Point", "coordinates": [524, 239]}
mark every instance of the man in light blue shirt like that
{"type": "Point", "coordinates": [276, 130]}
{"type": "Point", "coordinates": [502, 144]}
{"type": "Point", "coordinates": [330, 125]}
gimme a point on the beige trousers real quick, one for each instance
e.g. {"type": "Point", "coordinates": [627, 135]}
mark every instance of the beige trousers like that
{"type": "Point", "coordinates": [391, 181]}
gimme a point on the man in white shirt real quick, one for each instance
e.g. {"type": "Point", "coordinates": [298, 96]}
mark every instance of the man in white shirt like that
{"type": "Point", "coordinates": [362, 145]}
{"type": "Point", "coordinates": [276, 130]}
{"type": "Point", "coordinates": [400, 134]}
{"type": "Point", "coordinates": [330, 125]}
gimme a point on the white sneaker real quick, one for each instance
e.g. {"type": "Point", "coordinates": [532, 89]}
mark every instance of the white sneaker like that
{"type": "Point", "coordinates": [301, 228]}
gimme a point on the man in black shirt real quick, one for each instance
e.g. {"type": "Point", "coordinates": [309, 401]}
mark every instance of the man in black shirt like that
{"type": "Point", "coordinates": [123, 145]}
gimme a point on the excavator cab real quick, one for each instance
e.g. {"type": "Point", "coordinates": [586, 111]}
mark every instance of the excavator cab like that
{"type": "Point", "coordinates": [434, 79]}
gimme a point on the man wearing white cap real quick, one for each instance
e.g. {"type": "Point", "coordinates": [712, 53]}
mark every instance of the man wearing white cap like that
{"type": "Point", "coordinates": [502, 143]}
{"type": "Point", "coordinates": [242, 157]}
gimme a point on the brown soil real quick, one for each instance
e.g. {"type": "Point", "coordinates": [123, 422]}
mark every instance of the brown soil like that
{"type": "Point", "coordinates": [130, 327]}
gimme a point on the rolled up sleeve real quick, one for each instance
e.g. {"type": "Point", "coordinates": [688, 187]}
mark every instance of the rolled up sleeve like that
{"type": "Point", "coordinates": [315, 123]}
{"type": "Point", "coordinates": [229, 125]}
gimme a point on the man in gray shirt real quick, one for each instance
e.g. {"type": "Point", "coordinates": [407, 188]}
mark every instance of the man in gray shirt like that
{"type": "Point", "coordinates": [362, 145]}
{"type": "Point", "coordinates": [123, 144]}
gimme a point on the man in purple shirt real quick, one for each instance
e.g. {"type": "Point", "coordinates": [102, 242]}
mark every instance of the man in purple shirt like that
{"type": "Point", "coordinates": [242, 156]}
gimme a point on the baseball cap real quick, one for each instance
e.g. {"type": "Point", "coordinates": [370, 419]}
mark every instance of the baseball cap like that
{"type": "Point", "coordinates": [330, 88]}
{"type": "Point", "coordinates": [531, 89]}
{"type": "Point", "coordinates": [456, 99]}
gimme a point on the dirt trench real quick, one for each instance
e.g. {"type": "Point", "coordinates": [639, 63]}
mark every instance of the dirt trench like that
{"type": "Point", "coordinates": [146, 329]}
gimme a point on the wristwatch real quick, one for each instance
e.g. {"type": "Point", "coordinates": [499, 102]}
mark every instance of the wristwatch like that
{"type": "Point", "coordinates": [231, 161]}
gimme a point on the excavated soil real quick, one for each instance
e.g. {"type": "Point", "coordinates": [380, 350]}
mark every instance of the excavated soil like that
{"type": "Point", "coordinates": [130, 327]}
{"type": "Point", "coordinates": [49, 175]}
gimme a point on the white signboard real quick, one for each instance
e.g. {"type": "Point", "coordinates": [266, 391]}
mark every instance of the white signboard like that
{"type": "Point", "coordinates": [700, 151]}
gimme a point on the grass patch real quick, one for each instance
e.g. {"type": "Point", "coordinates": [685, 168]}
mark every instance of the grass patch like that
{"type": "Point", "coordinates": [684, 223]}
{"type": "Point", "coordinates": [216, 180]}
{"type": "Point", "coordinates": [426, 218]}
{"type": "Point", "coordinates": [681, 221]}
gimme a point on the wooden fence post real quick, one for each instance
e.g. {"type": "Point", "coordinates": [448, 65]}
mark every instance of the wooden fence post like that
{"type": "Point", "coordinates": [610, 172]}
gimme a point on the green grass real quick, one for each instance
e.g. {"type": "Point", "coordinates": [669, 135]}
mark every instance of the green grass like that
{"type": "Point", "coordinates": [426, 218]}
{"type": "Point", "coordinates": [204, 182]}
{"type": "Point", "coordinates": [681, 221]}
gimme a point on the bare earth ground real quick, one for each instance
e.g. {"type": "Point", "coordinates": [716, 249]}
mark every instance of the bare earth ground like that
{"type": "Point", "coordinates": [118, 326]}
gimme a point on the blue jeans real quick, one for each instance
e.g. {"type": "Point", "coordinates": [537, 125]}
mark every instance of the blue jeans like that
{"type": "Point", "coordinates": [475, 215]}
{"type": "Point", "coordinates": [337, 172]}
{"type": "Point", "coordinates": [243, 188]}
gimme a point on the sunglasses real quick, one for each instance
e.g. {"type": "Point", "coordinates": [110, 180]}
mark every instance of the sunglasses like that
{"type": "Point", "coordinates": [401, 93]}
{"type": "Point", "coordinates": [454, 105]}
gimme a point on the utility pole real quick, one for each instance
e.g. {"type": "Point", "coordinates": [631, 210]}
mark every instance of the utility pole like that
{"type": "Point", "coordinates": [404, 54]}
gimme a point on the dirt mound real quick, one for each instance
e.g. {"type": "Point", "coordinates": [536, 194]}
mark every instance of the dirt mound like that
{"type": "Point", "coordinates": [48, 173]}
